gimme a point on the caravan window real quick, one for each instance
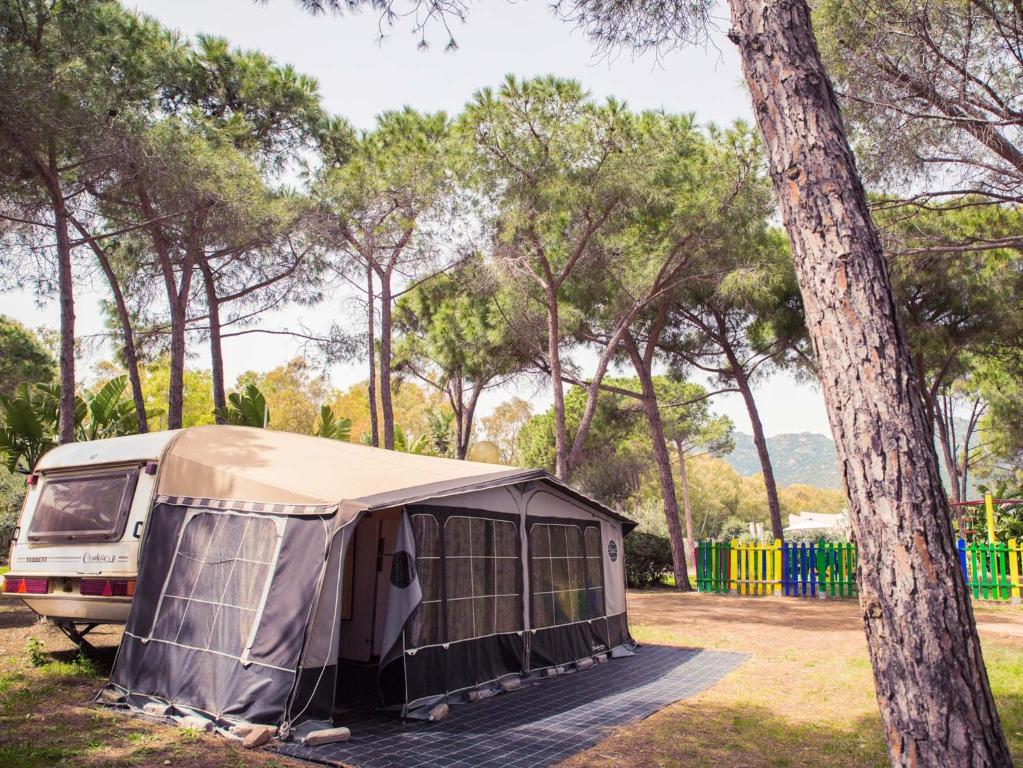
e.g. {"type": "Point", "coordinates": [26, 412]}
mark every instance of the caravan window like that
{"type": "Point", "coordinates": [217, 581]}
{"type": "Point", "coordinates": [85, 507]}
{"type": "Point", "coordinates": [567, 579]}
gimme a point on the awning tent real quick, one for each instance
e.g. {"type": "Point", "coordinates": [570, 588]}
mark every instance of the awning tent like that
{"type": "Point", "coordinates": [275, 567]}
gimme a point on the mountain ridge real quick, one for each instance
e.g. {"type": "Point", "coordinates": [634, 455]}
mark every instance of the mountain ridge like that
{"type": "Point", "coordinates": [807, 458]}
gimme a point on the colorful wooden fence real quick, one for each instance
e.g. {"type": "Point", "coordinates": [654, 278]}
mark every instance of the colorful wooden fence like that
{"type": "Point", "coordinates": [828, 569]}
{"type": "Point", "coordinates": [992, 570]}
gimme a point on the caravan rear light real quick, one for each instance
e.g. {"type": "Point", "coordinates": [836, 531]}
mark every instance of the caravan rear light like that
{"type": "Point", "coordinates": [31, 480]}
{"type": "Point", "coordinates": [21, 586]}
{"type": "Point", "coordinates": [107, 587]}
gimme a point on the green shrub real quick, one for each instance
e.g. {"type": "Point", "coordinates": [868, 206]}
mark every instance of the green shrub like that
{"type": "Point", "coordinates": [12, 492]}
{"type": "Point", "coordinates": [647, 559]}
{"type": "Point", "coordinates": [34, 651]}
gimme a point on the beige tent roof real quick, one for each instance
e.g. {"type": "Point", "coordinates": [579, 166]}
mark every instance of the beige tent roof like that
{"type": "Point", "coordinates": [270, 467]}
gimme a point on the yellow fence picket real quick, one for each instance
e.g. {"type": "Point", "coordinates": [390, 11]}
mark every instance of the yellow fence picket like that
{"type": "Point", "coordinates": [1014, 568]}
{"type": "Point", "coordinates": [777, 566]}
{"type": "Point", "coordinates": [733, 586]}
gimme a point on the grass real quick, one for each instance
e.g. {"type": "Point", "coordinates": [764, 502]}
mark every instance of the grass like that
{"type": "Point", "coordinates": [804, 697]}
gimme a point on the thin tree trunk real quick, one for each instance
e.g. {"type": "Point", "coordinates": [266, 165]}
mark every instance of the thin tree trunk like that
{"type": "Point", "coordinates": [371, 388]}
{"type": "Point", "coordinates": [458, 406]}
{"type": "Point", "coordinates": [386, 406]}
{"type": "Point", "coordinates": [470, 416]}
{"type": "Point", "coordinates": [760, 441]}
{"type": "Point", "coordinates": [177, 304]}
{"type": "Point", "coordinates": [554, 353]}
{"type": "Point", "coordinates": [179, 319]}
{"type": "Point", "coordinates": [216, 345]}
{"type": "Point", "coordinates": [932, 686]}
{"type": "Point", "coordinates": [947, 455]}
{"type": "Point", "coordinates": [128, 352]}
{"type": "Point", "coordinates": [663, 463]}
{"type": "Point", "coordinates": [687, 507]}
{"type": "Point", "coordinates": [65, 278]}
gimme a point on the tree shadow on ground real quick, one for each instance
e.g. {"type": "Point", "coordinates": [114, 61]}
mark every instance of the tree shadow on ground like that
{"type": "Point", "coordinates": [14, 615]}
{"type": "Point", "coordinates": [696, 734]}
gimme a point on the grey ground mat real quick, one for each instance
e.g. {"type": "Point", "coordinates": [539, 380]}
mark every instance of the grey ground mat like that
{"type": "Point", "coordinates": [537, 725]}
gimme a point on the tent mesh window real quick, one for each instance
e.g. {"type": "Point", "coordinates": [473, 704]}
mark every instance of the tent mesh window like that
{"type": "Point", "coordinates": [216, 583]}
{"type": "Point", "coordinates": [469, 573]}
{"type": "Point", "coordinates": [427, 625]}
{"type": "Point", "coordinates": [567, 578]}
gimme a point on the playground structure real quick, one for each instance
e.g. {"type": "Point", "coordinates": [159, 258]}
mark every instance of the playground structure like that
{"type": "Point", "coordinates": [991, 569]}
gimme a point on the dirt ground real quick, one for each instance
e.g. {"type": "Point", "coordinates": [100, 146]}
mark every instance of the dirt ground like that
{"type": "Point", "coordinates": [804, 697]}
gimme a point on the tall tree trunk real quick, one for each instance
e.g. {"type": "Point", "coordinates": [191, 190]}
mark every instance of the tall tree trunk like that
{"type": "Point", "coordinates": [470, 416]}
{"type": "Point", "coordinates": [177, 291]}
{"type": "Point", "coordinates": [759, 440]}
{"type": "Point", "coordinates": [687, 507]}
{"type": "Point", "coordinates": [944, 439]}
{"type": "Point", "coordinates": [554, 355]}
{"type": "Point", "coordinates": [178, 298]}
{"type": "Point", "coordinates": [65, 277]}
{"type": "Point", "coordinates": [932, 687]}
{"type": "Point", "coordinates": [129, 354]}
{"type": "Point", "coordinates": [458, 408]}
{"type": "Point", "coordinates": [663, 463]}
{"type": "Point", "coordinates": [386, 406]}
{"type": "Point", "coordinates": [216, 345]}
{"type": "Point", "coordinates": [371, 337]}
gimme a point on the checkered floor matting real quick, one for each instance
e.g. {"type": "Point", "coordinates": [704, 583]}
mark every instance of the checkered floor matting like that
{"type": "Point", "coordinates": [538, 725]}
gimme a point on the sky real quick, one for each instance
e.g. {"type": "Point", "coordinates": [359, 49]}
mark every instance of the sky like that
{"type": "Point", "coordinates": [360, 76]}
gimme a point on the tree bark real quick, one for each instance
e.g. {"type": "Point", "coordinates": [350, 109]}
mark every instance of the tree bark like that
{"type": "Point", "coordinates": [687, 507]}
{"type": "Point", "coordinates": [554, 353]}
{"type": "Point", "coordinates": [760, 441]}
{"type": "Point", "coordinates": [386, 405]}
{"type": "Point", "coordinates": [663, 463]}
{"type": "Point", "coordinates": [932, 686]}
{"type": "Point", "coordinates": [216, 346]}
{"type": "Point", "coordinates": [371, 388]}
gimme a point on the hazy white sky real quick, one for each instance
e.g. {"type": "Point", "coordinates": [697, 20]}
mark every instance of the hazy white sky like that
{"type": "Point", "coordinates": [360, 77]}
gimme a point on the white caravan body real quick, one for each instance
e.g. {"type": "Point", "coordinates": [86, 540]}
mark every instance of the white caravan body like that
{"type": "Point", "coordinates": [74, 555]}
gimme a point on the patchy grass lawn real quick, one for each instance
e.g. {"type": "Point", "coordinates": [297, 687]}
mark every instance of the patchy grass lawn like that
{"type": "Point", "coordinates": [47, 720]}
{"type": "Point", "coordinates": [805, 697]}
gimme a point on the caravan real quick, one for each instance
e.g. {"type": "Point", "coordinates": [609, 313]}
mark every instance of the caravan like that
{"type": "Point", "coordinates": [74, 555]}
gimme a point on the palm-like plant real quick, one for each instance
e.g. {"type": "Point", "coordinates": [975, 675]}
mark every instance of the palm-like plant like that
{"type": "Point", "coordinates": [109, 412]}
{"type": "Point", "coordinates": [247, 408]}
{"type": "Point", "coordinates": [30, 416]}
{"type": "Point", "coordinates": [330, 426]}
{"type": "Point", "coordinates": [28, 431]}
